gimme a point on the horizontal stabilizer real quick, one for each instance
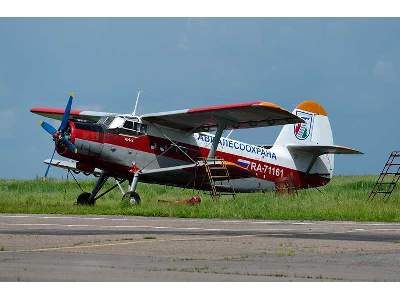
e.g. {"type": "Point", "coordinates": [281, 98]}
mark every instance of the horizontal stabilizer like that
{"type": "Point", "coordinates": [323, 149]}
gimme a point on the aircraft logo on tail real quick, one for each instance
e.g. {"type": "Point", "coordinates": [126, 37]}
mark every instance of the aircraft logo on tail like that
{"type": "Point", "coordinates": [303, 130]}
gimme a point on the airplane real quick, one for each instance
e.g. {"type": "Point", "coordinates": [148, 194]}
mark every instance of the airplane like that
{"type": "Point", "coordinates": [177, 147]}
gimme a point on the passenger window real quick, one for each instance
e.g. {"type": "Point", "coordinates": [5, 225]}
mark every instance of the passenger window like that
{"type": "Point", "coordinates": [143, 128]}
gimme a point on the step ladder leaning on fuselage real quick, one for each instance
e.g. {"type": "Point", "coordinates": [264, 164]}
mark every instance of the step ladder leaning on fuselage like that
{"type": "Point", "coordinates": [218, 176]}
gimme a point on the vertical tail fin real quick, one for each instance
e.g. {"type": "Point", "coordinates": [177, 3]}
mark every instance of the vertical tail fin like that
{"type": "Point", "coordinates": [316, 130]}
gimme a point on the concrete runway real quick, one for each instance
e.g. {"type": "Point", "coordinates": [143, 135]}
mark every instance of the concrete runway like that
{"type": "Point", "coordinates": [113, 248]}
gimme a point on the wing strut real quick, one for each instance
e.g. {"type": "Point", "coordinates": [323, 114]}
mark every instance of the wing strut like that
{"type": "Point", "coordinates": [220, 129]}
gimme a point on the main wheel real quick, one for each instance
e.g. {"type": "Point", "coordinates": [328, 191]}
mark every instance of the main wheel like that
{"type": "Point", "coordinates": [83, 199]}
{"type": "Point", "coordinates": [132, 197]}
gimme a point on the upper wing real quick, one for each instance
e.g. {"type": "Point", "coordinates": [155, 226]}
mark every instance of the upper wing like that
{"type": "Point", "coordinates": [57, 113]}
{"type": "Point", "coordinates": [323, 149]}
{"type": "Point", "coordinates": [235, 116]}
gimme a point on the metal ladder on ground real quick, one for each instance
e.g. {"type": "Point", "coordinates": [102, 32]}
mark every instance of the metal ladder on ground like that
{"type": "Point", "coordinates": [388, 178]}
{"type": "Point", "coordinates": [217, 171]}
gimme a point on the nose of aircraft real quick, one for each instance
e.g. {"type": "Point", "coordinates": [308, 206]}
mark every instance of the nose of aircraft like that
{"type": "Point", "coordinates": [61, 136]}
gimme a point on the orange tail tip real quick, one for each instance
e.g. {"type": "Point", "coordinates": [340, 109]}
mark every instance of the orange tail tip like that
{"type": "Point", "coordinates": [313, 107]}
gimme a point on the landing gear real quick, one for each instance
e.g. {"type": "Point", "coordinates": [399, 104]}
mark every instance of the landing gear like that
{"type": "Point", "coordinates": [132, 197]}
{"type": "Point", "coordinates": [90, 198]}
{"type": "Point", "coordinates": [83, 199]}
{"type": "Point", "coordinates": [131, 194]}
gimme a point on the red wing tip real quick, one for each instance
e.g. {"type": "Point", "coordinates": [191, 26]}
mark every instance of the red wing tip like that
{"type": "Point", "coordinates": [52, 110]}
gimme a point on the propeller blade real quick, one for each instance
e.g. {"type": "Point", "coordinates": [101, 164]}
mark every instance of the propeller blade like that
{"type": "Point", "coordinates": [49, 128]}
{"type": "Point", "coordinates": [67, 111]}
{"type": "Point", "coordinates": [48, 166]}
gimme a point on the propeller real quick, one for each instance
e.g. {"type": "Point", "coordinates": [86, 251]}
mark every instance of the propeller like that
{"type": "Point", "coordinates": [48, 166]}
{"type": "Point", "coordinates": [49, 128]}
{"type": "Point", "coordinates": [59, 134]}
{"type": "Point", "coordinates": [67, 112]}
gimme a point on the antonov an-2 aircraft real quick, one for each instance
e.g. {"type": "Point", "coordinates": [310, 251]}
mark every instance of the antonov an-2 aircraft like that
{"type": "Point", "coordinates": [176, 148]}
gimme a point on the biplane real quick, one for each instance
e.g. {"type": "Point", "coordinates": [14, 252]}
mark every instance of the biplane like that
{"type": "Point", "coordinates": [187, 148]}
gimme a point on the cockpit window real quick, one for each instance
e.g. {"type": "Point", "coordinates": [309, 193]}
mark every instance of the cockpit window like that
{"type": "Point", "coordinates": [127, 126]}
{"type": "Point", "coordinates": [108, 121]}
{"type": "Point", "coordinates": [105, 121]}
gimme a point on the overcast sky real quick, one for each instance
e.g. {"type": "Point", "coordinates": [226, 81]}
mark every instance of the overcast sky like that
{"type": "Point", "coordinates": [350, 66]}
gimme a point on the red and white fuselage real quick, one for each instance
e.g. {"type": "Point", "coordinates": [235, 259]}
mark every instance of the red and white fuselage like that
{"type": "Point", "coordinates": [123, 154]}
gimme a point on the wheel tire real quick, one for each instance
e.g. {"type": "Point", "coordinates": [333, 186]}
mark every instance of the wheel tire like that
{"type": "Point", "coordinates": [132, 197]}
{"type": "Point", "coordinates": [83, 199]}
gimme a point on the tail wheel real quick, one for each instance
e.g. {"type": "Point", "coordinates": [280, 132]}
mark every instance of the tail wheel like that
{"type": "Point", "coordinates": [132, 197]}
{"type": "Point", "coordinates": [83, 199]}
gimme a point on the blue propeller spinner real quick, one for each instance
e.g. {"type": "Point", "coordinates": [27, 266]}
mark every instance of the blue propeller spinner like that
{"type": "Point", "coordinates": [59, 134]}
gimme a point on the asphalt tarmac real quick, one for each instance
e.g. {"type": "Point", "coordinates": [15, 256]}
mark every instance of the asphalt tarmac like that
{"type": "Point", "coordinates": [114, 248]}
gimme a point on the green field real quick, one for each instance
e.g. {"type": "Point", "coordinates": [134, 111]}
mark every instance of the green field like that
{"type": "Point", "coordinates": [345, 198]}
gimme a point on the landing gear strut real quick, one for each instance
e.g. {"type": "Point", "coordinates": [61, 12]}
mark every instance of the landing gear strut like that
{"type": "Point", "coordinates": [131, 194]}
{"type": "Point", "coordinates": [90, 198]}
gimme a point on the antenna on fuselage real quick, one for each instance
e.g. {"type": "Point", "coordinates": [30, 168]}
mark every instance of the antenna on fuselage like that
{"type": "Point", "coordinates": [137, 101]}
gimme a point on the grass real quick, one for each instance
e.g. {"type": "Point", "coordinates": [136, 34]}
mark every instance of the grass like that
{"type": "Point", "coordinates": [345, 198]}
